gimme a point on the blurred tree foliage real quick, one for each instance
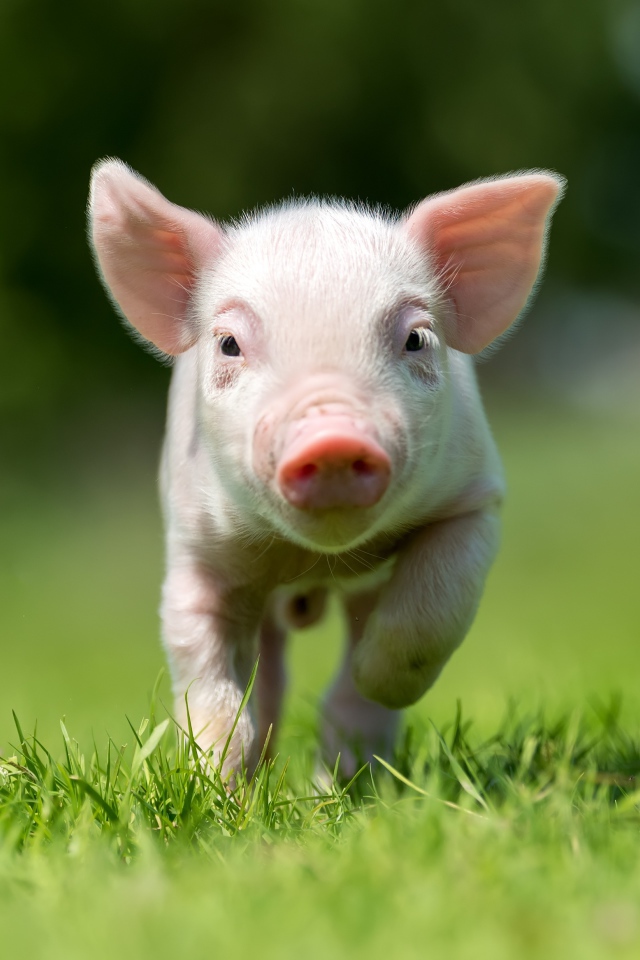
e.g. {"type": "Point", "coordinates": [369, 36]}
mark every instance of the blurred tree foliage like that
{"type": "Point", "coordinates": [226, 105]}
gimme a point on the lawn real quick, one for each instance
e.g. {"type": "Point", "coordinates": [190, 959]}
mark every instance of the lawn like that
{"type": "Point", "coordinates": [527, 843]}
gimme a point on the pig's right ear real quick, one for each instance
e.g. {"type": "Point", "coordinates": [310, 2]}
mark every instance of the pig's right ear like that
{"type": "Point", "coordinates": [486, 241]}
{"type": "Point", "coordinates": [149, 252]}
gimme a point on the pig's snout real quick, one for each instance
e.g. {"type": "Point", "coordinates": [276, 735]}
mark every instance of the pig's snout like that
{"type": "Point", "coordinates": [333, 465]}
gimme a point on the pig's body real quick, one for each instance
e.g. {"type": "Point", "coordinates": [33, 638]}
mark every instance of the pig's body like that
{"type": "Point", "coordinates": [325, 433]}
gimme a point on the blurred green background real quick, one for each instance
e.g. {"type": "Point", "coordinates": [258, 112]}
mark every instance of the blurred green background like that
{"type": "Point", "coordinates": [225, 106]}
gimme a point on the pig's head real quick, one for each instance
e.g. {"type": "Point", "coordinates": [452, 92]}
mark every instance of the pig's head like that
{"type": "Point", "coordinates": [322, 333]}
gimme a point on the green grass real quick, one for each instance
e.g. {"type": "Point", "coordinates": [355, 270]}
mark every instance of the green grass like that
{"type": "Point", "coordinates": [516, 836]}
{"type": "Point", "coordinates": [520, 845]}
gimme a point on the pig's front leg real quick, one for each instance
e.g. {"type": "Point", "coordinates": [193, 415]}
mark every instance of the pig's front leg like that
{"type": "Point", "coordinates": [426, 608]}
{"type": "Point", "coordinates": [210, 632]}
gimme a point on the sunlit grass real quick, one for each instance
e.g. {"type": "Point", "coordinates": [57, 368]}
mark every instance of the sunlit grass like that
{"type": "Point", "coordinates": [516, 844]}
{"type": "Point", "coordinates": [163, 786]}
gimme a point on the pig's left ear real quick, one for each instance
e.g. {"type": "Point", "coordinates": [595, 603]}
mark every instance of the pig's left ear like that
{"type": "Point", "coordinates": [487, 242]}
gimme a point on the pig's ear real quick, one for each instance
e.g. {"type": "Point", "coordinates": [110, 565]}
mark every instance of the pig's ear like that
{"type": "Point", "coordinates": [149, 252]}
{"type": "Point", "coordinates": [487, 242]}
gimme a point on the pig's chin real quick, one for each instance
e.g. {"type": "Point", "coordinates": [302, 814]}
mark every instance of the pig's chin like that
{"type": "Point", "coordinates": [330, 531]}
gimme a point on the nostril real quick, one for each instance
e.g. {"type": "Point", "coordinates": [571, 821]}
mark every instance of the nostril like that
{"type": "Point", "coordinates": [307, 470]}
{"type": "Point", "coordinates": [362, 467]}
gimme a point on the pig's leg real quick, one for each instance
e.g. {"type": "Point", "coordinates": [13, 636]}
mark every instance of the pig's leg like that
{"type": "Point", "coordinates": [271, 680]}
{"type": "Point", "coordinates": [297, 612]}
{"type": "Point", "coordinates": [426, 608]}
{"type": "Point", "coordinates": [210, 634]}
{"type": "Point", "coordinates": [352, 726]}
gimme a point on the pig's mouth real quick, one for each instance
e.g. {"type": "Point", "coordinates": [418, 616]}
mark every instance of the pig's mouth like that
{"type": "Point", "coordinates": [331, 530]}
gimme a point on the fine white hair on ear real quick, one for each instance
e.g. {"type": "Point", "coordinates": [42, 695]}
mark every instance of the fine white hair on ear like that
{"type": "Point", "coordinates": [150, 253]}
{"type": "Point", "coordinates": [486, 240]}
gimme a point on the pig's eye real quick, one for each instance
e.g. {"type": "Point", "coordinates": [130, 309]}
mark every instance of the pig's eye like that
{"type": "Point", "coordinates": [229, 346]}
{"type": "Point", "coordinates": [417, 340]}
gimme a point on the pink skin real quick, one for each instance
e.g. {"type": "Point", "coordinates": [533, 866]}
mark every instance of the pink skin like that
{"type": "Point", "coordinates": [316, 448]}
{"type": "Point", "coordinates": [331, 464]}
{"type": "Point", "coordinates": [278, 459]}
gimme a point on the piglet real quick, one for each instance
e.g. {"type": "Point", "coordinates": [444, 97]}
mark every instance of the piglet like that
{"type": "Point", "coordinates": [325, 434]}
